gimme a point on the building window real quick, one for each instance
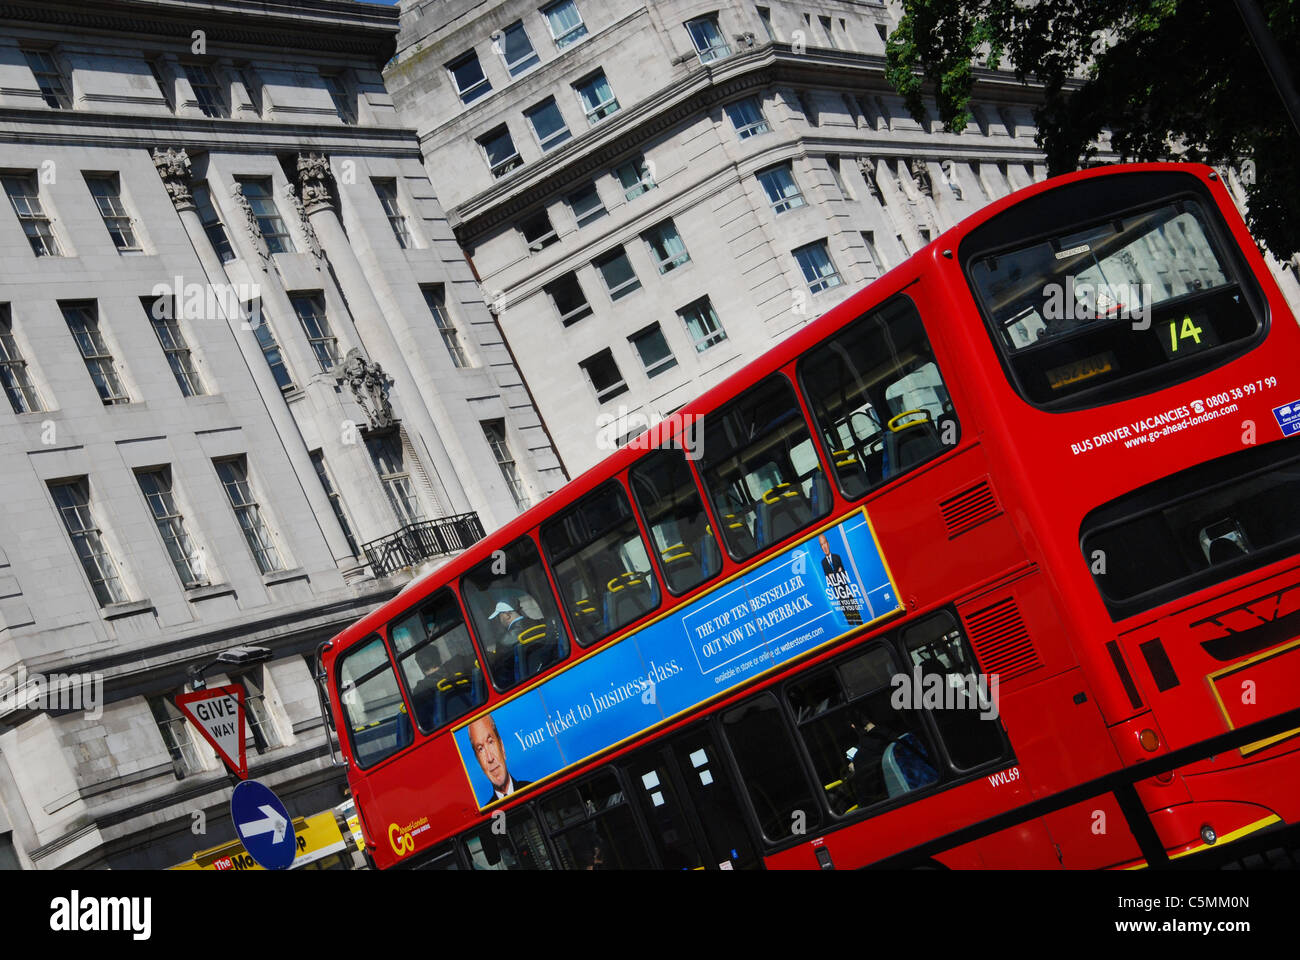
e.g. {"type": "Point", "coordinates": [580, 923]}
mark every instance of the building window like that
{"type": "Point", "coordinates": [257, 190]}
{"type": "Point", "coordinates": [257, 322]}
{"type": "Point", "coordinates": [17, 384]}
{"type": "Point", "coordinates": [602, 373]}
{"type": "Point", "coordinates": [565, 23]}
{"type": "Point", "coordinates": [175, 732]}
{"type": "Point", "coordinates": [548, 124]}
{"type": "Point", "coordinates": [165, 88]}
{"type": "Point", "coordinates": [597, 97]}
{"type": "Point", "coordinates": [261, 725]}
{"type": "Point", "coordinates": [207, 93]}
{"type": "Point", "coordinates": [877, 261]}
{"type": "Point", "coordinates": [389, 458]}
{"type": "Point", "coordinates": [569, 299]}
{"type": "Point", "coordinates": [467, 73]}
{"type": "Point", "coordinates": [387, 191]}
{"type": "Point", "coordinates": [709, 42]}
{"type": "Point", "coordinates": [49, 78]}
{"type": "Point", "coordinates": [516, 49]}
{"type": "Point", "coordinates": [83, 322]}
{"type": "Point", "coordinates": [833, 162]}
{"type": "Point", "coordinates": [781, 188]}
{"type": "Point", "coordinates": [702, 324]}
{"type": "Point", "coordinates": [636, 177]}
{"type": "Point", "coordinates": [251, 90]}
{"type": "Point", "coordinates": [828, 28]}
{"type": "Point", "coordinates": [107, 191]}
{"type": "Point", "coordinates": [171, 338]}
{"type": "Point", "coordinates": [494, 431]}
{"type": "Point", "coordinates": [586, 204]}
{"type": "Point", "coordinates": [666, 246]}
{"type": "Point", "coordinates": [538, 232]}
{"type": "Point", "coordinates": [311, 313]}
{"type": "Point", "coordinates": [336, 501]}
{"type": "Point", "coordinates": [25, 196]}
{"type": "Point", "coordinates": [818, 269]}
{"type": "Point", "coordinates": [211, 221]}
{"type": "Point", "coordinates": [616, 270]}
{"type": "Point", "coordinates": [234, 478]}
{"type": "Point", "coordinates": [747, 117]}
{"type": "Point", "coordinates": [653, 350]}
{"type": "Point", "coordinates": [765, 16]}
{"type": "Point", "coordinates": [341, 94]}
{"type": "Point", "coordinates": [502, 157]}
{"type": "Point", "coordinates": [435, 297]}
{"type": "Point", "coordinates": [156, 485]}
{"type": "Point", "coordinates": [72, 499]}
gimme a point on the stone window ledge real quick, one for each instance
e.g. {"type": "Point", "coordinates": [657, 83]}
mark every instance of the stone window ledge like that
{"type": "Point", "coordinates": [116, 610]}
{"type": "Point", "coordinates": [208, 591]}
{"type": "Point", "coordinates": [284, 576]}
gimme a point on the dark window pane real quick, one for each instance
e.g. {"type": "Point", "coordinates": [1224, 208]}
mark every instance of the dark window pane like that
{"type": "Point", "coordinates": [879, 399]}
{"type": "Point", "coordinates": [761, 468]}
{"type": "Point", "coordinates": [600, 563]}
{"type": "Point", "coordinates": [674, 514]}
{"type": "Point", "coordinates": [521, 847]}
{"type": "Point", "coordinates": [769, 767]}
{"type": "Point", "coordinates": [514, 614]}
{"type": "Point", "coordinates": [438, 663]}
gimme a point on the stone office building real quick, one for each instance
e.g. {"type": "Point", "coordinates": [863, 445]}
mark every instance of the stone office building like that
{"type": "Point", "coordinates": [251, 388]}
{"type": "Point", "coordinates": [655, 193]}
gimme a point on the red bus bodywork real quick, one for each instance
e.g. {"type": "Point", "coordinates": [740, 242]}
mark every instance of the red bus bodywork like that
{"type": "Point", "coordinates": [990, 528]}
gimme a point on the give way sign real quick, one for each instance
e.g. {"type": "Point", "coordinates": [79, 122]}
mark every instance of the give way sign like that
{"type": "Point", "coordinates": [218, 712]}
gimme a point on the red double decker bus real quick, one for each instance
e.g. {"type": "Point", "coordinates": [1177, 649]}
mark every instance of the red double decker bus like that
{"type": "Point", "coordinates": [1021, 513]}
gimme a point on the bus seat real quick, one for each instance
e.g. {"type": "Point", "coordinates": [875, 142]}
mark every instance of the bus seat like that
{"type": "Point", "coordinates": [915, 442]}
{"type": "Point", "coordinates": [457, 695]}
{"type": "Point", "coordinates": [819, 497]}
{"type": "Point", "coordinates": [628, 596]}
{"type": "Point", "coordinates": [540, 645]}
{"type": "Point", "coordinates": [905, 766]}
{"type": "Point", "coordinates": [782, 511]}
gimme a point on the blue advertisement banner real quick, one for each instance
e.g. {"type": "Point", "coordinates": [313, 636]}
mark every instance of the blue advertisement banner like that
{"type": "Point", "coordinates": [804, 598]}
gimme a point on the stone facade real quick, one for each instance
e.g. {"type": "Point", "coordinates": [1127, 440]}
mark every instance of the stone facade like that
{"type": "Point", "coordinates": [239, 343]}
{"type": "Point", "coordinates": [754, 150]}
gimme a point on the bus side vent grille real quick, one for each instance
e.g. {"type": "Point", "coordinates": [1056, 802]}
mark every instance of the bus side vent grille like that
{"type": "Point", "coordinates": [1001, 641]}
{"type": "Point", "coordinates": [969, 508]}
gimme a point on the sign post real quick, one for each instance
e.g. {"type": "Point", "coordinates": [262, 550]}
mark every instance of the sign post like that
{"type": "Point", "coordinates": [218, 712]}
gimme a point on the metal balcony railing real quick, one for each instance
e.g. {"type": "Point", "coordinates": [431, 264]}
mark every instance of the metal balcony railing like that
{"type": "Point", "coordinates": [417, 542]}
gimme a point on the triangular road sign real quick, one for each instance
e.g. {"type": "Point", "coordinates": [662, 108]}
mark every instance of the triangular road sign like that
{"type": "Point", "coordinates": [218, 712]}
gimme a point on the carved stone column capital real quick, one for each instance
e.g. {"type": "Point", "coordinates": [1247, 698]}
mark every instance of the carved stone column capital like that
{"type": "Point", "coordinates": [920, 172]}
{"type": "Point", "coordinates": [314, 182]}
{"type": "Point", "coordinates": [173, 167]}
{"type": "Point", "coordinates": [369, 385]}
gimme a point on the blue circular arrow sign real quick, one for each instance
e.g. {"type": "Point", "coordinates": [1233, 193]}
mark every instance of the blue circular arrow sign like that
{"type": "Point", "coordinates": [264, 825]}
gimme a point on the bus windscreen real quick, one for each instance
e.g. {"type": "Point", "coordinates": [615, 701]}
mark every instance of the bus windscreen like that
{"type": "Point", "coordinates": [1117, 305]}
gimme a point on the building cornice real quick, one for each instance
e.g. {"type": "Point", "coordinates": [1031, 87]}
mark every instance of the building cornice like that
{"type": "Point", "coordinates": [336, 26]}
{"type": "Point", "coordinates": [90, 128]}
{"type": "Point", "coordinates": [628, 130]}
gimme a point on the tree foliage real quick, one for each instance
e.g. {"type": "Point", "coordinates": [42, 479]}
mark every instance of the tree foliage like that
{"type": "Point", "coordinates": [1168, 78]}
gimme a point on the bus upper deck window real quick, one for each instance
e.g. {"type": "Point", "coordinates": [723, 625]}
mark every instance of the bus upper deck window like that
{"type": "Point", "coordinates": [514, 614]}
{"type": "Point", "coordinates": [761, 468]}
{"type": "Point", "coordinates": [378, 725]}
{"type": "Point", "coordinates": [1141, 295]}
{"type": "Point", "coordinates": [670, 504]}
{"type": "Point", "coordinates": [600, 564]}
{"type": "Point", "coordinates": [438, 662]}
{"type": "Point", "coordinates": [878, 397]}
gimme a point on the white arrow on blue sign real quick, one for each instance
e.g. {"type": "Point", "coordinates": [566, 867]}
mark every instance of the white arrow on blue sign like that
{"type": "Point", "coordinates": [264, 825]}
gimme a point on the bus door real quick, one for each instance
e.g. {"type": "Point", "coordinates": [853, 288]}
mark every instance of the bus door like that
{"type": "Point", "coordinates": [690, 805]}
